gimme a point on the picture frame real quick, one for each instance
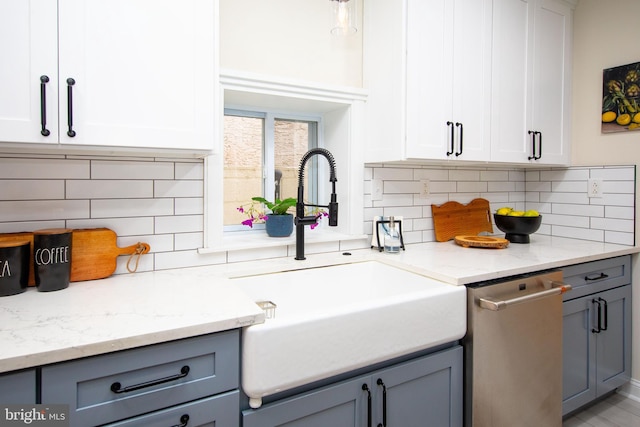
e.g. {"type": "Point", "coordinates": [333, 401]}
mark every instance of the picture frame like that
{"type": "Point", "coordinates": [621, 98]}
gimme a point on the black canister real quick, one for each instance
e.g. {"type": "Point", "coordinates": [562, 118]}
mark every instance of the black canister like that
{"type": "Point", "coordinates": [14, 267]}
{"type": "Point", "coordinates": [52, 258]}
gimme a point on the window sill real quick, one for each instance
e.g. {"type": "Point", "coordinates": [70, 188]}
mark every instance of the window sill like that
{"type": "Point", "coordinates": [243, 240]}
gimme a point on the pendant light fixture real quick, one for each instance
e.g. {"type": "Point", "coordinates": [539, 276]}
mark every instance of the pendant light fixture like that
{"type": "Point", "coordinates": [343, 17]}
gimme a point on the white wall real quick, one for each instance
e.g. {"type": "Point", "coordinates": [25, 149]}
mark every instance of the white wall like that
{"type": "Point", "coordinates": [606, 34]}
{"type": "Point", "coordinates": [290, 39]}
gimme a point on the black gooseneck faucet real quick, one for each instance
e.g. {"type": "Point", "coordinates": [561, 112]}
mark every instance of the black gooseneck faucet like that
{"type": "Point", "coordinates": [301, 220]}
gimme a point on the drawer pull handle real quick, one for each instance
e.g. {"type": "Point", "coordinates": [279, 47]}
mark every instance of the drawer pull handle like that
{"type": "Point", "coordinates": [184, 420]}
{"type": "Point", "coordinates": [117, 387]}
{"type": "Point", "coordinates": [601, 276]}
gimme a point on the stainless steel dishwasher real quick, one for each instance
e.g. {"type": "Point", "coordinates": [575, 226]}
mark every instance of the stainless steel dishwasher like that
{"type": "Point", "coordinates": [513, 352]}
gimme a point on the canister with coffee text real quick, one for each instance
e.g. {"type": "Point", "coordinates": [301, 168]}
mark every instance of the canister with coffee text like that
{"type": "Point", "coordinates": [52, 258]}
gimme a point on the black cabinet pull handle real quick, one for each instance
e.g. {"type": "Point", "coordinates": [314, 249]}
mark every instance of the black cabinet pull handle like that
{"type": "Point", "coordinates": [366, 388]}
{"type": "Point", "coordinates": [117, 387]}
{"type": "Point", "coordinates": [593, 330]}
{"type": "Point", "coordinates": [591, 278]}
{"type": "Point", "coordinates": [533, 145]}
{"type": "Point", "coordinates": [606, 314]}
{"type": "Point", "coordinates": [461, 138]}
{"type": "Point", "coordinates": [184, 420]}
{"type": "Point", "coordinates": [43, 105]}
{"type": "Point", "coordinates": [384, 402]}
{"type": "Point", "coordinates": [450, 125]}
{"type": "Point", "coordinates": [70, 83]}
{"type": "Point", "coordinates": [539, 146]}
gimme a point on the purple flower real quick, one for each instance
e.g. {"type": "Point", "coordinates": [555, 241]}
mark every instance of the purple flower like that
{"type": "Point", "coordinates": [240, 209]}
{"type": "Point", "coordinates": [314, 225]}
{"type": "Point", "coordinates": [248, 222]}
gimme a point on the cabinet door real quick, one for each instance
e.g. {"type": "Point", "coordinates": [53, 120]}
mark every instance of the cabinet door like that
{"type": "Point", "coordinates": [429, 79]}
{"type": "Point", "coordinates": [341, 405]}
{"type": "Point", "coordinates": [448, 79]}
{"type": "Point", "coordinates": [472, 79]}
{"type": "Point", "coordinates": [144, 72]}
{"type": "Point", "coordinates": [29, 50]}
{"type": "Point", "coordinates": [578, 351]}
{"type": "Point", "coordinates": [614, 344]}
{"type": "Point", "coordinates": [426, 389]}
{"type": "Point", "coordinates": [511, 69]}
{"type": "Point", "coordinates": [18, 387]}
{"type": "Point", "coordinates": [552, 80]}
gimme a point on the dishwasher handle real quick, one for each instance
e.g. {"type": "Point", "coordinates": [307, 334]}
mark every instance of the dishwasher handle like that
{"type": "Point", "coordinates": [557, 288]}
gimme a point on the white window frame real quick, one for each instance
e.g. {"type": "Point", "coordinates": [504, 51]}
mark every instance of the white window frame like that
{"type": "Point", "coordinates": [268, 155]}
{"type": "Point", "coordinates": [342, 113]}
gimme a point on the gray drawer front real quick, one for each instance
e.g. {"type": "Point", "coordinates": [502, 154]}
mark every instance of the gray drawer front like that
{"type": "Point", "coordinates": [220, 411]}
{"type": "Point", "coordinates": [86, 384]}
{"type": "Point", "coordinates": [18, 387]}
{"type": "Point", "coordinates": [597, 276]}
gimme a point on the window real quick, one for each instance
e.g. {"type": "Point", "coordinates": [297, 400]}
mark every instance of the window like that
{"type": "Point", "coordinates": [262, 153]}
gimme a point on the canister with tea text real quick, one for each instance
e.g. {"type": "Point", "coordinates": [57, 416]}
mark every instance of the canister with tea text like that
{"type": "Point", "coordinates": [14, 267]}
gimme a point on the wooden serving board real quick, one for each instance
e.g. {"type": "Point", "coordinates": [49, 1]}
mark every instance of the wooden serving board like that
{"type": "Point", "coordinates": [481, 242]}
{"type": "Point", "coordinates": [455, 219]}
{"type": "Point", "coordinates": [93, 252]}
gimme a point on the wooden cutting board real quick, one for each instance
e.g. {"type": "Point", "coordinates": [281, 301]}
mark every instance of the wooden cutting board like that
{"type": "Point", "coordinates": [454, 219]}
{"type": "Point", "coordinates": [94, 252]}
{"type": "Point", "coordinates": [481, 242]}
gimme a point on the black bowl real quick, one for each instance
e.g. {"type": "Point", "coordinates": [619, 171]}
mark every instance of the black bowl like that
{"type": "Point", "coordinates": [517, 228]}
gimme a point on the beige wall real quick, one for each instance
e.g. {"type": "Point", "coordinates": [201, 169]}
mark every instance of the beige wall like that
{"type": "Point", "coordinates": [289, 38]}
{"type": "Point", "coordinates": [606, 34]}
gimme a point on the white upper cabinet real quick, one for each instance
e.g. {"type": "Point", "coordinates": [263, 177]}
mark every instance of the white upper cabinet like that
{"type": "Point", "coordinates": [132, 73]}
{"type": "Point", "coordinates": [467, 80]}
{"type": "Point", "coordinates": [29, 52]}
{"type": "Point", "coordinates": [531, 81]}
{"type": "Point", "coordinates": [427, 68]}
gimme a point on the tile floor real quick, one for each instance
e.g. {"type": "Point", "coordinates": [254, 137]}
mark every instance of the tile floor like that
{"type": "Point", "coordinates": [614, 411]}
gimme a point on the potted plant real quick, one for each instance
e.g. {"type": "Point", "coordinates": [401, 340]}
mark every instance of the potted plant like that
{"type": "Point", "coordinates": [278, 223]}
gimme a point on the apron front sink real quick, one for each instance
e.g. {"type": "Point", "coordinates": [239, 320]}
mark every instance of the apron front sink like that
{"type": "Point", "coordinates": [331, 320]}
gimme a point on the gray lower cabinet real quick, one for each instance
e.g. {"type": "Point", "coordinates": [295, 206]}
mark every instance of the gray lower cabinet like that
{"type": "Point", "coordinates": [18, 387]}
{"type": "Point", "coordinates": [596, 331]}
{"type": "Point", "coordinates": [423, 391]}
{"type": "Point", "coordinates": [194, 379]}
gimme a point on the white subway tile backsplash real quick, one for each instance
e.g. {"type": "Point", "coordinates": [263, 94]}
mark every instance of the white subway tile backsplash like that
{"type": "Point", "coordinates": [122, 226]}
{"type": "Point", "coordinates": [622, 212]}
{"type": "Point", "coordinates": [32, 189]}
{"type": "Point", "coordinates": [189, 206]}
{"type": "Point", "coordinates": [189, 171]}
{"type": "Point", "coordinates": [15, 168]}
{"type": "Point", "coordinates": [115, 169]}
{"type": "Point", "coordinates": [389, 174]}
{"type": "Point", "coordinates": [179, 224]}
{"type": "Point", "coordinates": [619, 238]}
{"type": "Point", "coordinates": [560, 194]}
{"type": "Point", "coordinates": [179, 188]}
{"type": "Point", "coordinates": [613, 173]}
{"type": "Point", "coordinates": [161, 202]}
{"type": "Point", "coordinates": [43, 210]}
{"type": "Point", "coordinates": [114, 208]}
{"type": "Point", "coordinates": [108, 189]}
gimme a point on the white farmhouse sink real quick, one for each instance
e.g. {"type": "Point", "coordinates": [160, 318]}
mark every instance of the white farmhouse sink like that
{"type": "Point", "coordinates": [331, 320]}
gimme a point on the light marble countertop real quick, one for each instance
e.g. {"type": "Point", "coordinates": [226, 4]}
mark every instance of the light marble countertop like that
{"type": "Point", "coordinates": [126, 311]}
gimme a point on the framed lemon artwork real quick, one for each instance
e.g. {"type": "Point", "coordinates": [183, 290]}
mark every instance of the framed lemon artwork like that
{"type": "Point", "coordinates": [621, 98]}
